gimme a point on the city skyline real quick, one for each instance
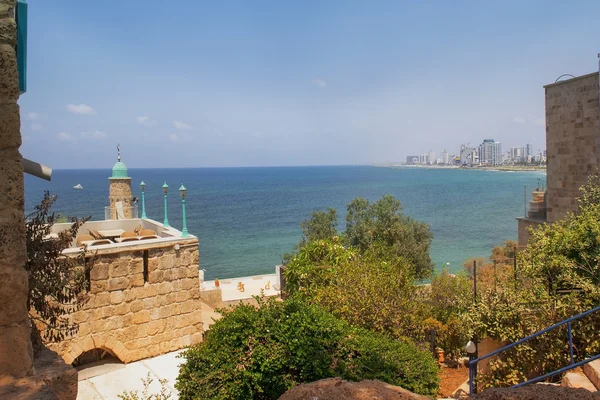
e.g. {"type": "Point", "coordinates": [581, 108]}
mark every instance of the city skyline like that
{"type": "Point", "coordinates": [214, 84]}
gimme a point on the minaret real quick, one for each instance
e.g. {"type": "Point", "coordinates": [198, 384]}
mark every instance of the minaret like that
{"type": "Point", "coordinates": [119, 196]}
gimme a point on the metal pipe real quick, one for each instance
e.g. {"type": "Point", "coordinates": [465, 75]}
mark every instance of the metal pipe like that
{"type": "Point", "coordinates": [37, 169]}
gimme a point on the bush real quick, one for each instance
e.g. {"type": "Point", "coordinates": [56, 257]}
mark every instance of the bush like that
{"type": "Point", "coordinates": [260, 353]}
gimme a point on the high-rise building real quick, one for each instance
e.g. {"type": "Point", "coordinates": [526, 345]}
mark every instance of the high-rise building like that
{"type": "Point", "coordinates": [431, 157]}
{"type": "Point", "coordinates": [444, 157]}
{"type": "Point", "coordinates": [528, 150]}
{"type": "Point", "coordinates": [411, 160]}
{"type": "Point", "coordinates": [490, 152]}
{"type": "Point", "coordinates": [468, 155]}
{"type": "Point", "coordinates": [424, 158]}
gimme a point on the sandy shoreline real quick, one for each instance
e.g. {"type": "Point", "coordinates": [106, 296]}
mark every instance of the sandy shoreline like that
{"type": "Point", "coordinates": [505, 168]}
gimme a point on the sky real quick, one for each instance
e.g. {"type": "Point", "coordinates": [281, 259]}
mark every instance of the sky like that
{"type": "Point", "coordinates": [272, 83]}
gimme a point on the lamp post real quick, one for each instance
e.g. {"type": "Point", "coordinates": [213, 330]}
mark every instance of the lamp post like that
{"type": "Point", "coordinates": [472, 350]}
{"type": "Point", "coordinates": [165, 188]}
{"type": "Point", "coordinates": [143, 186]}
{"type": "Point", "coordinates": [184, 231]}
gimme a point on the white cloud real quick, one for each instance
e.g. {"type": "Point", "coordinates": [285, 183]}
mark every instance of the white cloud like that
{"type": "Point", "coordinates": [173, 137]}
{"type": "Point", "coordinates": [83, 109]}
{"type": "Point", "coordinates": [145, 120]}
{"type": "Point", "coordinates": [36, 127]}
{"type": "Point", "coordinates": [181, 125]}
{"type": "Point", "coordinates": [35, 116]}
{"type": "Point", "coordinates": [97, 135]}
{"type": "Point", "coordinates": [540, 121]}
{"type": "Point", "coordinates": [519, 120]}
{"type": "Point", "coordinates": [320, 83]}
{"type": "Point", "coordinates": [64, 136]}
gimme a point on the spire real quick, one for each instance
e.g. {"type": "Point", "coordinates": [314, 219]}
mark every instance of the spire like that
{"type": "Point", "coordinates": [118, 153]}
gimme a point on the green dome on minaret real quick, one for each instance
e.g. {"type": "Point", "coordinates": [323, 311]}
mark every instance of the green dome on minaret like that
{"type": "Point", "coordinates": [119, 170]}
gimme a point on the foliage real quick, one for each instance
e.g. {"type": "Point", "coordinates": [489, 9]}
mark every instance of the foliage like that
{"type": "Point", "coordinates": [564, 255]}
{"type": "Point", "coordinates": [321, 225]}
{"type": "Point", "coordinates": [259, 353]}
{"type": "Point", "coordinates": [449, 298]}
{"type": "Point", "coordinates": [56, 282]}
{"type": "Point", "coordinates": [382, 225]}
{"type": "Point", "coordinates": [380, 229]}
{"type": "Point", "coordinates": [164, 393]}
{"type": "Point", "coordinates": [363, 290]}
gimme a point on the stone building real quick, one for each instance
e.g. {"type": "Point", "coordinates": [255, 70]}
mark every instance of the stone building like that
{"type": "Point", "coordinates": [573, 148]}
{"type": "Point", "coordinates": [120, 192]}
{"type": "Point", "coordinates": [143, 298]}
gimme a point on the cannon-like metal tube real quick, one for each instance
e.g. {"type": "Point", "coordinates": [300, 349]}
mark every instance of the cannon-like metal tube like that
{"type": "Point", "coordinates": [37, 169]}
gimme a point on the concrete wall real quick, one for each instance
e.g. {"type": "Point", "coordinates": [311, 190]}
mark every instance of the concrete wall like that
{"type": "Point", "coordinates": [16, 355]}
{"type": "Point", "coordinates": [572, 141]}
{"type": "Point", "coordinates": [136, 318]}
{"type": "Point", "coordinates": [523, 225]}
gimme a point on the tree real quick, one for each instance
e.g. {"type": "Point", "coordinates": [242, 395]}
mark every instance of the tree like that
{"type": "Point", "coordinates": [57, 282]}
{"type": "Point", "coordinates": [322, 225]}
{"type": "Point", "coordinates": [380, 228]}
{"type": "Point", "coordinates": [383, 228]}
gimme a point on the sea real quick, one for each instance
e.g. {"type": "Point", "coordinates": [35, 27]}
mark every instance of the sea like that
{"type": "Point", "coordinates": [247, 218]}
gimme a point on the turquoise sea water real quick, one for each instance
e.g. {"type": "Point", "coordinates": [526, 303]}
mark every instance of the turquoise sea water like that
{"type": "Point", "coordinates": [246, 218]}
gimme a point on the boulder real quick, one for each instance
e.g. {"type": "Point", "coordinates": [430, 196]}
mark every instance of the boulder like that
{"type": "Point", "coordinates": [338, 389]}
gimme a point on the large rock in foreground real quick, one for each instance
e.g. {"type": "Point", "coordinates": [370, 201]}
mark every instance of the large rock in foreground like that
{"type": "Point", "coordinates": [537, 392]}
{"type": "Point", "coordinates": [338, 389]}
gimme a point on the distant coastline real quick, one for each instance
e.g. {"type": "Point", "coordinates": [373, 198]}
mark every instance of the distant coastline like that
{"type": "Point", "coordinates": [505, 168]}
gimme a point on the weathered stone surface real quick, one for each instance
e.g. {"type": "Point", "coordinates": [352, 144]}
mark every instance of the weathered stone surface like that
{"type": "Point", "coordinates": [533, 392]}
{"type": "Point", "coordinates": [8, 31]}
{"type": "Point", "coordinates": [338, 389]}
{"type": "Point", "coordinates": [10, 129]}
{"type": "Point", "coordinates": [572, 141]}
{"type": "Point", "coordinates": [16, 355]}
{"type": "Point", "coordinates": [9, 76]}
{"type": "Point", "coordinates": [61, 378]}
{"type": "Point", "coordinates": [134, 319]}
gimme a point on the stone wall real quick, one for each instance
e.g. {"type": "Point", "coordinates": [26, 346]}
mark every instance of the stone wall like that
{"type": "Point", "coordinates": [16, 355]}
{"type": "Point", "coordinates": [572, 141]}
{"type": "Point", "coordinates": [134, 316]}
{"type": "Point", "coordinates": [523, 226]}
{"type": "Point", "coordinates": [120, 190]}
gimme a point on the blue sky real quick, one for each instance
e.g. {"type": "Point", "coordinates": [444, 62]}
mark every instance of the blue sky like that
{"type": "Point", "coordinates": [257, 83]}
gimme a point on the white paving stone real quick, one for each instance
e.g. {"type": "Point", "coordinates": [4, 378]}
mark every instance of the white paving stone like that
{"type": "Point", "coordinates": [117, 379]}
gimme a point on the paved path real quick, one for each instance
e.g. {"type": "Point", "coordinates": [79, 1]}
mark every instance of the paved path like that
{"type": "Point", "coordinates": [105, 380]}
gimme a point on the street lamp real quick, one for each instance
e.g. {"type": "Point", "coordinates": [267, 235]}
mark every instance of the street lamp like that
{"type": "Point", "coordinates": [165, 188]}
{"type": "Point", "coordinates": [182, 190]}
{"type": "Point", "coordinates": [143, 186]}
{"type": "Point", "coordinates": [472, 349]}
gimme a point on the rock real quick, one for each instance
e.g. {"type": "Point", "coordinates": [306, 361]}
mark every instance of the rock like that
{"type": "Point", "coordinates": [535, 392]}
{"type": "Point", "coordinates": [338, 389]}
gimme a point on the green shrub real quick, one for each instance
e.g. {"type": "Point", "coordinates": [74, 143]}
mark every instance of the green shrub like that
{"type": "Point", "coordinates": [260, 353]}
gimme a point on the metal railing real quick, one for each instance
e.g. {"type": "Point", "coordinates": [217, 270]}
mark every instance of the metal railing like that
{"type": "Point", "coordinates": [573, 364]}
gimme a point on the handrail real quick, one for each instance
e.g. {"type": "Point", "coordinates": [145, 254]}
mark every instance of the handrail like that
{"type": "Point", "coordinates": [473, 364]}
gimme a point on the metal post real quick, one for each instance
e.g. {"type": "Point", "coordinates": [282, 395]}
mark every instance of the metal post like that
{"type": "Point", "coordinates": [184, 231]}
{"type": "Point", "coordinates": [475, 281]}
{"type": "Point", "coordinates": [143, 186]}
{"type": "Point", "coordinates": [525, 200]}
{"type": "Point", "coordinates": [570, 342]}
{"type": "Point", "coordinates": [166, 222]}
{"type": "Point", "coordinates": [476, 355]}
{"type": "Point", "coordinates": [471, 377]}
{"type": "Point", "coordinates": [165, 189]}
{"type": "Point", "coordinates": [143, 206]}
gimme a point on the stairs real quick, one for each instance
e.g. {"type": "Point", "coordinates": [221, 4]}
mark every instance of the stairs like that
{"type": "Point", "coordinates": [587, 378]}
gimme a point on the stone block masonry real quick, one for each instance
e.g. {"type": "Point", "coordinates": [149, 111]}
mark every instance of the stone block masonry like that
{"type": "Point", "coordinates": [16, 354]}
{"type": "Point", "coordinates": [141, 303]}
{"type": "Point", "coordinates": [572, 141]}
